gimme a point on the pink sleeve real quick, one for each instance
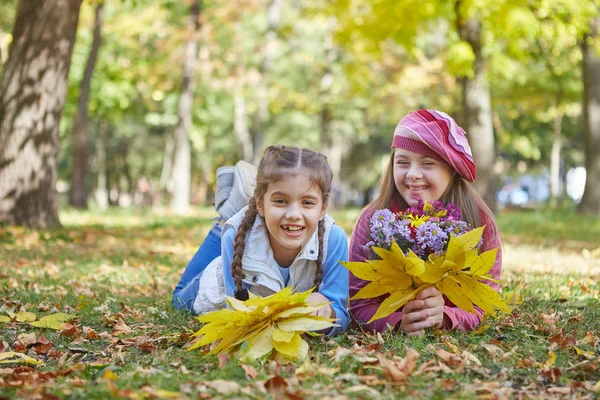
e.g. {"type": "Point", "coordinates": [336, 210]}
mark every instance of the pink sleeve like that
{"type": "Point", "coordinates": [362, 310]}
{"type": "Point", "coordinates": [463, 320]}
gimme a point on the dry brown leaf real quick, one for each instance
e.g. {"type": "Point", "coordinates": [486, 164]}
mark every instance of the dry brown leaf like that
{"type": "Point", "coordinates": [223, 386]}
{"type": "Point", "coordinates": [494, 350]}
{"type": "Point", "coordinates": [121, 328]}
{"type": "Point", "coordinates": [451, 360]}
{"type": "Point", "coordinates": [250, 371]}
{"type": "Point", "coordinates": [559, 390]}
{"type": "Point", "coordinates": [398, 372]}
{"type": "Point", "coordinates": [28, 339]}
{"type": "Point", "coordinates": [340, 353]}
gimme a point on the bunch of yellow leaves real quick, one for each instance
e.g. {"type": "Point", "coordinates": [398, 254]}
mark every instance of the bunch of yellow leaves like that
{"type": "Point", "coordinates": [457, 274]}
{"type": "Point", "coordinates": [260, 325]}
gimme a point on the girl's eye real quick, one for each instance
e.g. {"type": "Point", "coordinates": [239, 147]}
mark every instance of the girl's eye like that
{"type": "Point", "coordinates": [310, 203]}
{"type": "Point", "coordinates": [279, 201]}
{"type": "Point", "coordinates": [428, 163]}
{"type": "Point", "coordinates": [401, 163]}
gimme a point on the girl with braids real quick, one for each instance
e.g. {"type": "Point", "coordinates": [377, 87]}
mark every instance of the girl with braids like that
{"type": "Point", "coordinates": [430, 160]}
{"type": "Point", "coordinates": [282, 238]}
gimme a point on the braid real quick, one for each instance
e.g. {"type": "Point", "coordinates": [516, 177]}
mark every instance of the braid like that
{"type": "Point", "coordinates": [240, 244]}
{"type": "Point", "coordinates": [319, 270]}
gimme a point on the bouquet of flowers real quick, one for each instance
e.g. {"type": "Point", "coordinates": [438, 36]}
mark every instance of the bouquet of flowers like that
{"type": "Point", "coordinates": [425, 229]}
{"type": "Point", "coordinates": [424, 246]}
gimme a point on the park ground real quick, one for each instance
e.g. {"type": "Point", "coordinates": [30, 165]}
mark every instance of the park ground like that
{"type": "Point", "coordinates": [113, 273]}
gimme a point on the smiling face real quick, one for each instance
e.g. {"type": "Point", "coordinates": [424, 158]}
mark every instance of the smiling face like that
{"type": "Point", "coordinates": [420, 176]}
{"type": "Point", "coordinates": [292, 208]}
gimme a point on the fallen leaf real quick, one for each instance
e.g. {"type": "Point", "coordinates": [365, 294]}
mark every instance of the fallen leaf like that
{"type": "Point", "coordinates": [340, 353]}
{"type": "Point", "coordinates": [121, 328]}
{"type": "Point", "coordinates": [53, 321]}
{"type": "Point", "coordinates": [452, 360]}
{"type": "Point", "coordinates": [399, 371]}
{"type": "Point", "coordinates": [223, 386]}
{"type": "Point", "coordinates": [493, 349]}
{"type": "Point", "coordinates": [68, 330]}
{"type": "Point", "coordinates": [25, 316]}
{"type": "Point", "coordinates": [27, 339]}
{"type": "Point", "coordinates": [109, 375]}
{"type": "Point", "coordinates": [12, 357]}
{"type": "Point", "coordinates": [250, 371]}
{"type": "Point", "coordinates": [559, 389]}
{"type": "Point", "coordinates": [4, 318]}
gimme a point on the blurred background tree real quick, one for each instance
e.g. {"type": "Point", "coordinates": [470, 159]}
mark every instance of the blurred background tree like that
{"type": "Point", "coordinates": [161, 93]}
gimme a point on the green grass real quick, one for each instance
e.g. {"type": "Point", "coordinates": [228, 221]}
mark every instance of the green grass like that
{"type": "Point", "coordinates": [122, 265]}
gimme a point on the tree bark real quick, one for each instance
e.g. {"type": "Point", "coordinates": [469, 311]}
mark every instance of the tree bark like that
{"type": "Point", "coordinates": [180, 202]}
{"type": "Point", "coordinates": [79, 192]}
{"type": "Point", "coordinates": [590, 202]}
{"type": "Point", "coordinates": [477, 112]}
{"type": "Point", "coordinates": [555, 180]}
{"type": "Point", "coordinates": [262, 118]}
{"type": "Point", "coordinates": [102, 188]}
{"type": "Point", "coordinates": [32, 95]}
{"type": "Point", "coordinates": [240, 126]}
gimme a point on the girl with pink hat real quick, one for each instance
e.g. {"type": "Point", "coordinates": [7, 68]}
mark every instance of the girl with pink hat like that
{"type": "Point", "coordinates": [431, 160]}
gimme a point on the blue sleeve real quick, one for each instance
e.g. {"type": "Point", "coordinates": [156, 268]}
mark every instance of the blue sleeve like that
{"type": "Point", "coordinates": [227, 257]}
{"type": "Point", "coordinates": [334, 285]}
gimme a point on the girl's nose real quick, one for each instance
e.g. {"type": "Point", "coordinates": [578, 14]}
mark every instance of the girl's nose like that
{"type": "Point", "coordinates": [292, 212]}
{"type": "Point", "coordinates": [414, 172]}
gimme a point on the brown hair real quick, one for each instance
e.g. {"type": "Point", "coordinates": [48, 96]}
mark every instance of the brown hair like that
{"type": "Point", "coordinates": [277, 162]}
{"type": "Point", "coordinates": [460, 192]}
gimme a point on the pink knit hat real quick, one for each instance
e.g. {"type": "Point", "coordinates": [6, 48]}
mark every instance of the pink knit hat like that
{"type": "Point", "coordinates": [435, 134]}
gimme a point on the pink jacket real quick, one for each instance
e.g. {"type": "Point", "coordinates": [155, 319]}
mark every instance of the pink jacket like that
{"type": "Point", "coordinates": [362, 310]}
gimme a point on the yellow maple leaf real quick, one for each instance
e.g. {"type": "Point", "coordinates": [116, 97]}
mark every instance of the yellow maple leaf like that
{"type": "Point", "coordinates": [395, 274]}
{"type": "Point", "coordinates": [463, 270]}
{"type": "Point", "coordinates": [260, 326]}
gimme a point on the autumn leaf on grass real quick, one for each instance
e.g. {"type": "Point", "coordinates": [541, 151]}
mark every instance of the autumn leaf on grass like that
{"type": "Point", "coordinates": [52, 321]}
{"type": "Point", "coordinates": [12, 357]}
{"type": "Point", "coordinates": [260, 326]}
{"type": "Point", "coordinates": [395, 274]}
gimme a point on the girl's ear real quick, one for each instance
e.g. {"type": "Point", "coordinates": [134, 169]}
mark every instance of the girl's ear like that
{"type": "Point", "coordinates": [260, 209]}
{"type": "Point", "coordinates": [323, 212]}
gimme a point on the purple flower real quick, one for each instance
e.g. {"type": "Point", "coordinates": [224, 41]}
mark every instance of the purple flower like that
{"type": "Point", "coordinates": [431, 237]}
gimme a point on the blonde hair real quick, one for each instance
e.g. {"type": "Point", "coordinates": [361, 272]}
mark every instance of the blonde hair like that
{"type": "Point", "coordinates": [277, 162]}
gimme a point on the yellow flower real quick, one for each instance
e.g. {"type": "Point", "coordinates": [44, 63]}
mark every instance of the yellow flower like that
{"type": "Point", "coordinates": [416, 220]}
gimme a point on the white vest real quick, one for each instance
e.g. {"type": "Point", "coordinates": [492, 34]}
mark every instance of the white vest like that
{"type": "Point", "coordinates": [259, 267]}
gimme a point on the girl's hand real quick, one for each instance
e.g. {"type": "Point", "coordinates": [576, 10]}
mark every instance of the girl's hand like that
{"type": "Point", "coordinates": [325, 311]}
{"type": "Point", "coordinates": [425, 311]}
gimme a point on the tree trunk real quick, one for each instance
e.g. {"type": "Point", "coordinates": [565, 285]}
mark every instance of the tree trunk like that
{"type": "Point", "coordinates": [477, 112]}
{"type": "Point", "coordinates": [555, 180]}
{"type": "Point", "coordinates": [79, 193]}
{"type": "Point", "coordinates": [180, 202]}
{"type": "Point", "coordinates": [240, 126]}
{"type": "Point", "coordinates": [32, 95]}
{"type": "Point", "coordinates": [590, 202]}
{"type": "Point", "coordinates": [102, 189]}
{"type": "Point", "coordinates": [262, 118]}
